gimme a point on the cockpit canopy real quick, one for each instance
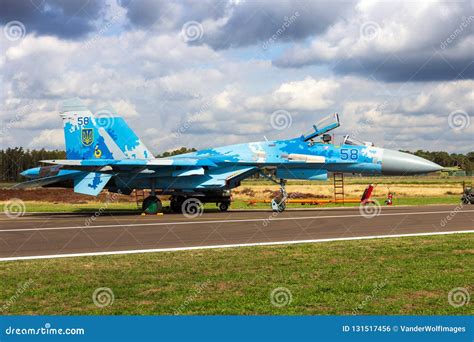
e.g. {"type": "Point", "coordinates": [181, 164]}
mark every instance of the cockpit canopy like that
{"type": "Point", "coordinates": [348, 140]}
{"type": "Point", "coordinates": [323, 126]}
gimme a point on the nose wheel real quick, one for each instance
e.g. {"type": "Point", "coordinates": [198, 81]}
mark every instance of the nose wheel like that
{"type": "Point", "coordinates": [278, 203]}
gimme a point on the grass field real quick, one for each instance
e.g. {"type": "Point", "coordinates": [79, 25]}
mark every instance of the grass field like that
{"type": "Point", "coordinates": [383, 276]}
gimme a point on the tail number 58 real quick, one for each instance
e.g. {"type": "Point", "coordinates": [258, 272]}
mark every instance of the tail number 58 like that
{"type": "Point", "coordinates": [83, 120]}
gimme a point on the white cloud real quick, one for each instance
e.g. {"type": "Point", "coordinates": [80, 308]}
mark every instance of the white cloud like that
{"type": "Point", "coordinates": [159, 83]}
{"type": "Point", "coordinates": [49, 139]}
{"type": "Point", "coordinates": [307, 95]}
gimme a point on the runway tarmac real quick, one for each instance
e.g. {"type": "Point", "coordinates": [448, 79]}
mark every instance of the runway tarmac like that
{"type": "Point", "coordinates": [61, 235]}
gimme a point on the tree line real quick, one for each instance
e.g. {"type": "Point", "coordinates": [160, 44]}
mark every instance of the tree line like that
{"type": "Point", "coordinates": [15, 160]}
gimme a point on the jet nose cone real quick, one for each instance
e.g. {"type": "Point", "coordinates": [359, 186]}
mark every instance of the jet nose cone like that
{"type": "Point", "coordinates": [400, 163]}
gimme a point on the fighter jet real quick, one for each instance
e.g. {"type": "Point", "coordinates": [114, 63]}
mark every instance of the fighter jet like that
{"type": "Point", "coordinates": [102, 152]}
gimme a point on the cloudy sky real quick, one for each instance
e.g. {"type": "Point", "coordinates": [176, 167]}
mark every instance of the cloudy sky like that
{"type": "Point", "coordinates": [208, 73]}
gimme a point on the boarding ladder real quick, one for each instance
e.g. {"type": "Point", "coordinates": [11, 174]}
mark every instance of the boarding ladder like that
{"type": "Point", "coordinates": [338, 187]}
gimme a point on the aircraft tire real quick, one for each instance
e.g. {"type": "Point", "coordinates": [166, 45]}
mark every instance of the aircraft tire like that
{"type": "Point", "coordinates": [176, 204]}
{"type": "Point", "coordinates": [224, 206]}
{"type": "Point", "coordinates": [152, 205]}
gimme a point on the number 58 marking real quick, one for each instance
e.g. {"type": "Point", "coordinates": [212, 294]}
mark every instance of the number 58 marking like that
{"type": "Point", "coordinates": [83, 121]}
{"type": "Point", "coordinates": [352, 153]}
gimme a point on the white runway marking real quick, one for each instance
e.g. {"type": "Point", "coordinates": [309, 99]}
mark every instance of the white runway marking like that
{"type": "Point", "coordinates": [270, 218]}
{"type": "Point", "coordinates": [293, 242]}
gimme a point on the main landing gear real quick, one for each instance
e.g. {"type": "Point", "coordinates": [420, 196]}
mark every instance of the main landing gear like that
{"type": "Point", "coordinates": [152, 204]}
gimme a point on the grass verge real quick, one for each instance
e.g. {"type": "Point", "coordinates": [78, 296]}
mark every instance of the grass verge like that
{"type": "Point", "coordinates": [383, 276]}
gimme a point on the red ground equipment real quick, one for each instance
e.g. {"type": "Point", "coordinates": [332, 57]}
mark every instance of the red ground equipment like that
{"type": "Point", "coordinates": [367, 194]}
{"type": "Point", "coordinates": [389, 199]}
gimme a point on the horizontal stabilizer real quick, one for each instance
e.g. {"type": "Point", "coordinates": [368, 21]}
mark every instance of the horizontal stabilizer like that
{"type": "Point", "coordinates": [45, 181]}
{"type": "Point", "coordinates": [91, 183]}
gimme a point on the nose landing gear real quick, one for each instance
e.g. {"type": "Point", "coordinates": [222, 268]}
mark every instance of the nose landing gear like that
{"type": "Point", "coordinates": [278, 203]}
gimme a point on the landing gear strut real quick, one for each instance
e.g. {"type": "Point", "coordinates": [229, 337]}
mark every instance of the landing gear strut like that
{"type": "Point", "coordinates": [279, 202]}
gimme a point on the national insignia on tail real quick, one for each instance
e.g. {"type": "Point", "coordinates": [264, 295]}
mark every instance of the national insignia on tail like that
{"type": "Point", "coordinates": [87, 136]}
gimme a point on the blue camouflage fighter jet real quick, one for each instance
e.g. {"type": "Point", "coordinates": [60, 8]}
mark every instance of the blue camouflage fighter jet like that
{"type": "Point", "coordinates": [102, 152]}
